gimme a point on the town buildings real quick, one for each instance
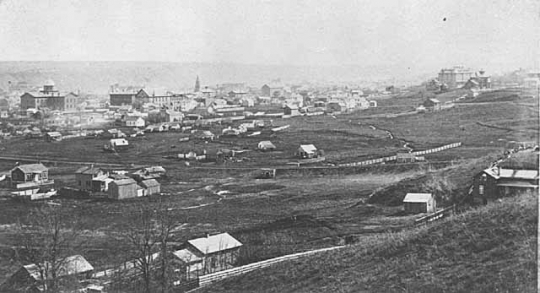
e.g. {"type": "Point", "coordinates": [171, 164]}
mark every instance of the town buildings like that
{"type": "Point", "coordinates": [455, 77]}
{"type": "Point", "coordinates": [47, 97]}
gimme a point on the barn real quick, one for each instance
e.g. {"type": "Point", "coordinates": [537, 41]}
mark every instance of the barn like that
{"type": "Point", "coordinates": [122, 189]}
{"type": "Point", "coordinates": [419, 203]}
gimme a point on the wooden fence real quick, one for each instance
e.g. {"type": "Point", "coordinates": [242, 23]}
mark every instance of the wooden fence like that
{"type": "Point", "coordinates": [393, 158]}
{"type": "Point", "coordinates": [214, 277]}
{"type": "Point", "coordinates": [437, 215]}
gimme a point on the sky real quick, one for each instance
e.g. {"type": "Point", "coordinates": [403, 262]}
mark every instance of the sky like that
{"type": "Point", "coordinates": [417, 34]}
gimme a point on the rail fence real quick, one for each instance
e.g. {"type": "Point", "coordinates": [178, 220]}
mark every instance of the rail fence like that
{"type": "Point", "coordinates": [214, 277]}
{"type": "Point", "coordinates": [393, 158]}
{"type": "Point", "coordinates": [451, 210]}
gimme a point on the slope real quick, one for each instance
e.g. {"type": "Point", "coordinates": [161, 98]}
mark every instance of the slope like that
{"type": "Point", "coordinates": [491, 249]}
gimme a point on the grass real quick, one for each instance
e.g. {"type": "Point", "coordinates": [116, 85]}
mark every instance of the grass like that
{"type": "Point", "coordinates": [491, 249]}
{"type": "Point", "coordinates": [449, 184]}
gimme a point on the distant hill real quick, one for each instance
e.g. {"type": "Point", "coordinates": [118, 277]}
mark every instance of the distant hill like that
{"type": "Point", "coordinates": [96, 77]}
{"type": "Point", "coordinates": [491, 249]}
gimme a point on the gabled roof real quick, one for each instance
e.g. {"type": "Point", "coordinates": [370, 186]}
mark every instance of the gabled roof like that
{"type": "Point", "coordinates": [215, 243]}
{"type": "Point", "coordinates": [308, 148]}
{"type": "Point", "coordinates": [88, 170]}
{"type": "Point", "coordinates": [417, 197]}
{"type": "Point", "coordinates": [72, 265]}
{"type": "Point", "coordinates": [434, 100]}
{"type": "Point", "coordinates": [149, 183]}
{"type": "Point", "coordinates": [127, 181]}
{"type": "Point", "coordinates": [187, 256]}
{"type": "Point", "coordinates": [32, 168]}
{"type": "Point", "coordinates": [497, 173]}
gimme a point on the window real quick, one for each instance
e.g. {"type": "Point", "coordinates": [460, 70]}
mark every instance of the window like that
{"type": "Point", "coordinates": [481, 189]}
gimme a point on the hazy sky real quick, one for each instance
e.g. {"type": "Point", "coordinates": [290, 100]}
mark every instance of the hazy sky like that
{"type": "Point", "coordinates": [419, 34]}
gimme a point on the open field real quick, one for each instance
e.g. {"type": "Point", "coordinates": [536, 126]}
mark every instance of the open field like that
{"type": "Point", "coordinates": [492, 249]}
{"type": "Point", "coordinates": [296, 211]}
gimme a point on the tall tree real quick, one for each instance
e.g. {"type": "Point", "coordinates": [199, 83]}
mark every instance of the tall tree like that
{"type": "Point", "coordinates": [46, 239]}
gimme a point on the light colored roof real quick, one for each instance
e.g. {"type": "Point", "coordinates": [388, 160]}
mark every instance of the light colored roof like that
{"type": "Point", "coordinates": [31, 168]}
{"type": "Point", "coordinates": [417, 197]}
{"type": "Point", "coordinates": [119, 141]}
{"type": "Point", "coordinates": [187, 256]}
{"type": "Point", "coordinates": [215, 243]}
{"type": "Point", "coordinates": [71, 265]}
{"type": "Point", "coordinates": [54, 133]}
{"type": "Point", "coordinates": [88, 170]}
{"type": "Point", "coordinates": [149, 183]}
{"type": "Point", "coordinates": [434, 100]}
{"type": "Point", "coordinates": [497, 173]}
{"type": "Point", "coordinates": [126, 181]}
{"type": "Point", "coordinates": [308, 148]}
{"type": "Point", "coordinates": [154, 169]}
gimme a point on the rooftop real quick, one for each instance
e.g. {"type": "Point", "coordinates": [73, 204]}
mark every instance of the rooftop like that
{"type": "Point", "coordinates": [32, 168]}
{"type": "Point", "coordinates": [498, 173]}
{"type": "Point", "coordinates": [417, 197]}
{"type": "Point", "coordinates": [215, 243]}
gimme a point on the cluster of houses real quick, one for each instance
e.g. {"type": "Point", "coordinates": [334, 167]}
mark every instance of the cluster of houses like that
{"type": "Point", "coordinates": [31, 181]}
{"type": "Point", "coordinates": [194, 258]}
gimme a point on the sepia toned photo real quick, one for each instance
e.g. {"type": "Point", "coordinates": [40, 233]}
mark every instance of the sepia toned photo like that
{"type": "Point", "coordinates": [269, 146]}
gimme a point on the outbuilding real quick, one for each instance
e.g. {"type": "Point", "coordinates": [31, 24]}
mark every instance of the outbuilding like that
{"type": "Point", "coordinates": [151, 187]}
{"type": "Point", "coordinates": [266, 145]}
{"type": "Point", "coordinates": [219, 252]}
{"type": "Point", "coordinates": [307, 151]}
{"type": "Point", "coordinates": [122, 189]}
{"type": "Point", "coordinates": [419, 203]}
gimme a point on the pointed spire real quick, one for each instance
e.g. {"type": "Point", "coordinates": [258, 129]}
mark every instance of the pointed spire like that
{"type": "Point", "coordinates": [197, 85]}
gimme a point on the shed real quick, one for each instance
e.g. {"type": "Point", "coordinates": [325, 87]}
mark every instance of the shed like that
{"type": "Point", "coordinates": [122, 189]}
{"type": "Point", "coordinates": [119, 142]}
{"type": "Point", "coordinates": [419, 203]}
{"type": "Point", "coordinates": [266, 145]}
{"type": "Point", "coordinates": [53, 136]}
{"type": "Point", "coordinates": [306, 151]}
{"type": "Point", "coordinates": [151, 186]}
{"type": "Point", "coordinates": [30, 278]}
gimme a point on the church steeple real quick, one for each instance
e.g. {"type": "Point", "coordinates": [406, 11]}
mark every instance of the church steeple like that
{"type": "Point", "coordinates": [197, 85]}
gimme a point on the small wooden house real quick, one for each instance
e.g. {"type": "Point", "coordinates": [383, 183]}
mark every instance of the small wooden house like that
{"type": "Point", "coordinates": [432, 104]}
{"type": "Point", "coordinates": [151, 187]}
{"type": "Point", "coordinates": [291, 110]}
{"type": "Point", "coordinates": [30, 175]}
{"type": "Point", "coordinates": [266, 145]}
{"type": "Point", "coordinates": [122, 189]}
{"type": "Point", "coordinates": [219, 252]}
{"type": "Point", "coordinates": [53, 136]}
{"type": "Point", "coordinates": [84, 177]}
{"type": "Point", "coordinates": [307, 151]}
{"type": "Point", "coordinates": [32, 277]}
{"type": "Point", "coordinates": [419, 203]}
{"type": "Point", "coordinates": [135, 122]}
{"type": "Point", "coordinates": [405, 157]}
{"type": "Point", "coordinates": [191, 263]}
{"type": "Point", "coordinates": [498, 182]}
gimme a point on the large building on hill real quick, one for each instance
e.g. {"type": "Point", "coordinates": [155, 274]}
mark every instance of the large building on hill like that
{"type": "Point", "coordinates": [47, 97]}
{"type": "Point", "coordinates": [455, 77]}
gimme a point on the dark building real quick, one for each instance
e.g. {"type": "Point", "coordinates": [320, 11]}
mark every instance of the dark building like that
{"type": "Point", "coordinates": [47, 97]}
{"type": "Point", "coordinates": [498, 182]}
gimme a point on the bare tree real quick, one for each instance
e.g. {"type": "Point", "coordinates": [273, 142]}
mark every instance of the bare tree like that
{"type": "Point", "coordinates": [46, 239]}
{"type": "Point", "coordinates": [148, 238]}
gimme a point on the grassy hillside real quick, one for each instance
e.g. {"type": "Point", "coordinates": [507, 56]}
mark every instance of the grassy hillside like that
{"type": "Point", "coordinates": [491, 249]}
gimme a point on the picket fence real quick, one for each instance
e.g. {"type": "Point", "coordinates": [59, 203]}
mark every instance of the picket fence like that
{"type": "Point", "coordinates": [393, 158]}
